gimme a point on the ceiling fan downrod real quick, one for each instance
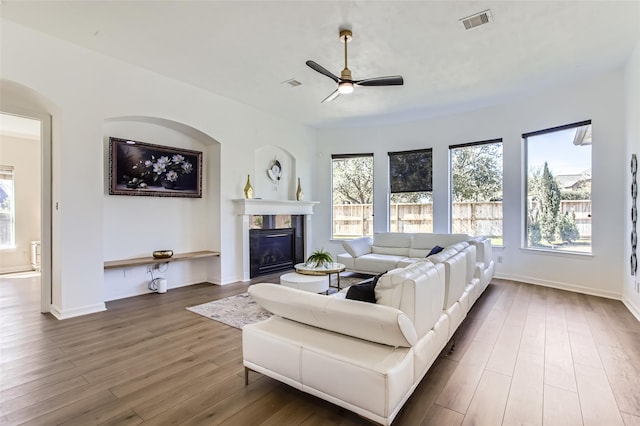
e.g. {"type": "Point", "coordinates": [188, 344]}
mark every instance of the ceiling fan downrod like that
{"type": "Point", "coordinates": [346, 85]}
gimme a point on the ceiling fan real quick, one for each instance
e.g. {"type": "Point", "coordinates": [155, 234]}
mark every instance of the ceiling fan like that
{"type": "Point", "coordinates": [345, 82]}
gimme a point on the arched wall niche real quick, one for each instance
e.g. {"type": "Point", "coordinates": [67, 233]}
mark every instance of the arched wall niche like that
{"type": "Point", "coordinates": [185, 129]}
{"type": "Point", "coordinates": [264, 186]}
{"type": "Point", "coordinates": [134, 226]}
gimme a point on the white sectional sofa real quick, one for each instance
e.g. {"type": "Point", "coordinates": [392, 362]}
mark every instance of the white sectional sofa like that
{"type": "Point", "coordinates": [389, 250]}
{"type": "Point", "coordinates": [365, 357]}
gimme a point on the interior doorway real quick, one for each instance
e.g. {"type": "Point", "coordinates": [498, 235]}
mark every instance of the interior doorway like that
{"type": "Point", "coordinates": [25, 197]}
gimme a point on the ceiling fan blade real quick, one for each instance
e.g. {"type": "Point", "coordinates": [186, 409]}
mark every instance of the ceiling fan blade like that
{"type": "Point", "coordinates": [395, 80]}
{"type": "Point", "coordinates": [322, 70]}
{"type": "Point", "coordinates": [331, 97]}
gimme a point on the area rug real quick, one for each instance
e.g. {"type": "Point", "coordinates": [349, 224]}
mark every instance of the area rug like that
{"type": "Point", "coordinates": [240, 310]}
{"type": "Point", "coordinates": [236, 311]}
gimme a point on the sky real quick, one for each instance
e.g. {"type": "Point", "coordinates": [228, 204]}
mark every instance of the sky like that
{"type": "Point", "coordinates": [558, 151]}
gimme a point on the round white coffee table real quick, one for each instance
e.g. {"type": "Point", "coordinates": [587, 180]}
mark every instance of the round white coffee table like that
{"type": "Point", "coordinates": [310, 283]}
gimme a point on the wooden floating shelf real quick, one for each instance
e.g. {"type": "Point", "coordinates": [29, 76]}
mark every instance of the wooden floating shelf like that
{"type": "Point", "coordinates": [112, 264]}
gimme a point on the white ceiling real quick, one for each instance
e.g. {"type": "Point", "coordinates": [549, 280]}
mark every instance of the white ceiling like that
{"type": "Point", "coordinates": [244, 50]}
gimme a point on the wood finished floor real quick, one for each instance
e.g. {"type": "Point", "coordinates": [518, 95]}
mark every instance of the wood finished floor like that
{"type": "Point", "coordinates": [524, 355]}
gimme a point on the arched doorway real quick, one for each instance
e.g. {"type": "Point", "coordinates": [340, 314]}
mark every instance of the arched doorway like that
{"type": "Point", "coordinates": [21, 102]}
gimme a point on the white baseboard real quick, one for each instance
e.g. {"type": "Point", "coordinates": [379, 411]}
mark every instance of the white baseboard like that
{"type": "Point", "coordinates": [635, 310]}
{"type": "Point", "coordinates": [76, 312]}
{"type": "Point", "coordinates": [13, 269]}
{"type": "Point", "coordinates": [560, 286]}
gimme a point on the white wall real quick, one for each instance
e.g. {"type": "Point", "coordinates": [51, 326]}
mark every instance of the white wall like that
{"type": "Point", "coordinates": [24, 155]}
{"type": "Point", "coordinates": [631, 291]}
{"type": "Point", "coordinates": [600, 99]}
{"type": "Point", "coordinates": [88, 88]}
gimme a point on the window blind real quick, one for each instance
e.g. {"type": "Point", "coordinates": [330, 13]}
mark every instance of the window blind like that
{"type": "Point", "coordinates": [411, 171]}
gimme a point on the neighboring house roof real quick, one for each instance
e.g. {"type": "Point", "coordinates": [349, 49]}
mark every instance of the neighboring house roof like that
{"type": "Point", "coordinates": [570, 181]}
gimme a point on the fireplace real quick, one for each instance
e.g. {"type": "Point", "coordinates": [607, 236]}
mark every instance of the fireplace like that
{"type": "Point", "coordinates": [273, 247]}
{"type": "Point", "coordinates": [247, 209]}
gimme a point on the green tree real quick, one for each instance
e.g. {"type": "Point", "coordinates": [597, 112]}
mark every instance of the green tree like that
{"type": "Point", "coordinates": [477, 173]}
{"type": "Point", "coordinates": [353, 180]}
{"type": "Point", "coordinates": [549, 205]}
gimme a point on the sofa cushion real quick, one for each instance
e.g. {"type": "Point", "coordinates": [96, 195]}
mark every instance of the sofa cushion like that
{"type": "Point", "coordinates": [377, 263]}
{"type": "Point", "coordinates": [392, 239]}
{"type": "Point", "coordinates": [393, 243]}
{"type": "Point", "coordinates": [392, 251]}
{"type": "Point", "coordinates": [458, 246]}
{"type": "Point", "coordinates": [376, 323]}
{"type": "Point", "coordinates": [455, 279]}
{"type": "Point", "coordinates": [357, 247]}
{"type": "Point", "coordinates": [409, 261]}
{"type": "Point", "coordinates": [424, 241]}
{"type": "Point", "coordinates": [347, 260]}
{"type": "Point", "coordinates": [427, 240]}
{"type": "Point", "coordinates": [419, 253]}
{"type": "Point", "coordinates": [389, 290]}
{"type": "Point", "coordinates": [449, 239]}
{"type": "Point", "coordinates": [484, 249]}
{"type": "Point", "coordinates": [442, 256]}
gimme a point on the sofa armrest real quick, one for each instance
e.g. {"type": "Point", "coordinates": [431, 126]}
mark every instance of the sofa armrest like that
{"type": "Point", "coordinates": [368, 321]}
{"type": "Point", "coordinates": [357, 247]}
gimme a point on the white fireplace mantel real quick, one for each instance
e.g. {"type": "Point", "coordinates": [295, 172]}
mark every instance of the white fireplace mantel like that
{"type": "Point", "coordinates": [258, 207]}
{"type": "Point", "coordinates": [245, 208]}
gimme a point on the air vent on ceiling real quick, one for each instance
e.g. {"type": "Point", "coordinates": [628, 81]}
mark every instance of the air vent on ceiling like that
{"type": "Point", "coordinates": [476, 20]}
{"type": "Point", "coordinates": [292, 82]}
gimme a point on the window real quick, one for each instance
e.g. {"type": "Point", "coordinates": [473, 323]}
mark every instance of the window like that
{"type": "Point", "coordinates": [411, 191]}
{"type": "Point", "coordinates": [476, 189]}
{"type": "Point", "coordinates": [7, 209]}
{"type": "Point", "coordinates": [558, 188]}
{"type": "Point", "coordinates": [352, 196]}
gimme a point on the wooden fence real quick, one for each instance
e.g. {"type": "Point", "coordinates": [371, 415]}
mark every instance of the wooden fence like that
{"type": "Point", "coordinates": [485, 218]}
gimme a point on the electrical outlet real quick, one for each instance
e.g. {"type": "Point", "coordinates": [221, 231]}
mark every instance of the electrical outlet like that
{"type": "Point", "coordinates": [499, 259]}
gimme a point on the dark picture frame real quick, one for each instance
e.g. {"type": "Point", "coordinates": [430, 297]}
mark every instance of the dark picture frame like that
{"type": "Point", "coordinates": [144, 169]}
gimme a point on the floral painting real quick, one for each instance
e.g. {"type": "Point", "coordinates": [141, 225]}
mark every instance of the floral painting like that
{"type": "Point", "coordinates": [138, 168]}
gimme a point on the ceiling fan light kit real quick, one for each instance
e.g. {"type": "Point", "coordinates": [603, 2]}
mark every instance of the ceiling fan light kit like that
{"type": "Point", "coordinates": [344, 87]}
{"type": "Point", "coordinates": [346, 83]}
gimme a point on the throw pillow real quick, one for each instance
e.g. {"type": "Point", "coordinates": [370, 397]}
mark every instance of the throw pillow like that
{"type": "Point", "coordinates": [435, 250]}
{"type": "Point", "coordinates": [365, 291]}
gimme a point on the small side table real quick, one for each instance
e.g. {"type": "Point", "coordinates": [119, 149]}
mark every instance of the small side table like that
{"type": "Point", "coordinates": [332, 268]}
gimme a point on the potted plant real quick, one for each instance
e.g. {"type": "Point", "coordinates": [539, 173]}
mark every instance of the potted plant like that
{"type": "Point", "coordinates": [319, 258]}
